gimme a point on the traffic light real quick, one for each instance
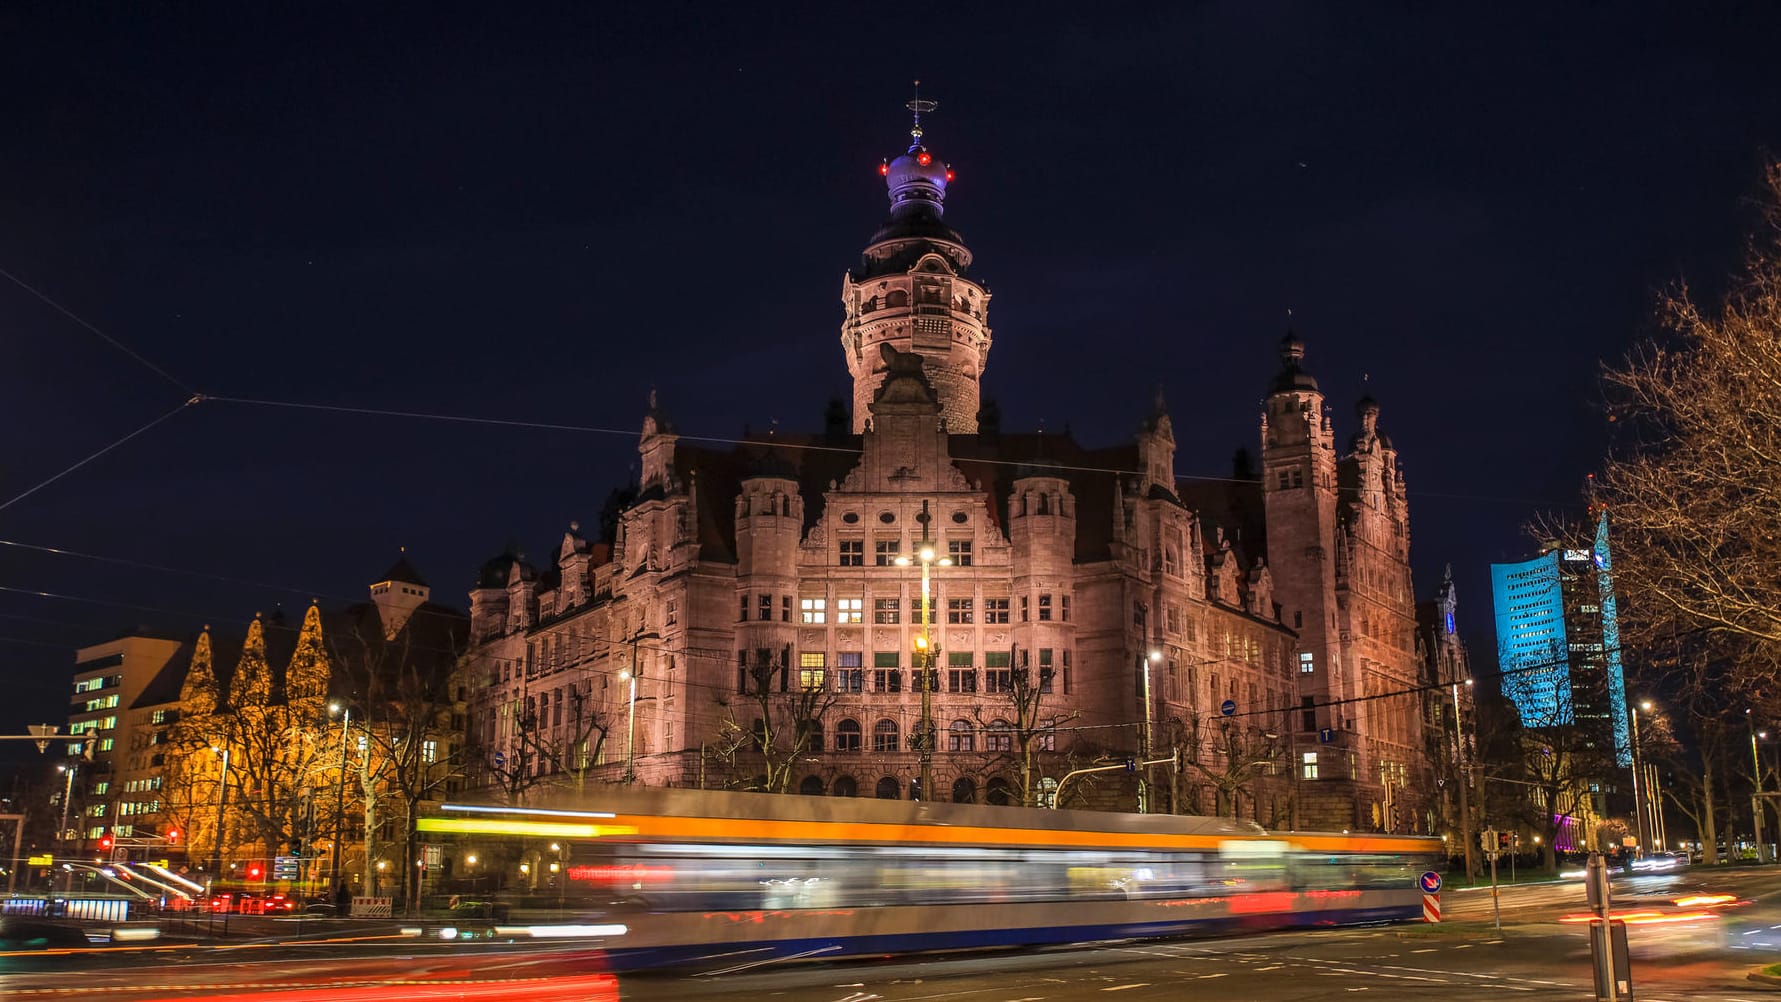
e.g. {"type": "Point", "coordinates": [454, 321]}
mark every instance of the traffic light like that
{"type": "Point", "coordinates": [173, 834]}
{"type": "Point", "coordinates": [256, 870]}
{"type": "Point", "coordinates": [105, 843]}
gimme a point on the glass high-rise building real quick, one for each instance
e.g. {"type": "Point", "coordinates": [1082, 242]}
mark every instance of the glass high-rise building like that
{"type": "Point", "coordinates": [1558, 641]}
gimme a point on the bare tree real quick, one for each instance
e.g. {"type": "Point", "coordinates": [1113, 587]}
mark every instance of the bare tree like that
{"type": "Point", "coordinates": [1021, 733]}
{"type": "Point", "coordinates": [405, 682]}
{"type": "Point", "coordinates": [1693, 483]}
{"type": "Point", "coordinates": [1226, 754]}
{"type": "Point", "coordinates": [776, 722]}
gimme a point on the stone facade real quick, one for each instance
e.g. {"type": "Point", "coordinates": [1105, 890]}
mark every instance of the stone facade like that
{"type": "Point", "coordinates": [752, 619]}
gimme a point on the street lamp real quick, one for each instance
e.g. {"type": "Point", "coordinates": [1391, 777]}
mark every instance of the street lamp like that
{"type": "Point", "coordinates": [1638, 803]}
{"type": "Point", "coordinates": [1144, 664]}
{"type": "Point", "coordinates": [339, 794]}
{"type": "Point", "coordinates": [1762, 852]}
{"type": "Point", "coordinates": [926, 553]}
{"type": "Point", "coordinates": [222, 796]}
{"type": "Point", "coordinates": [631, 674]}
{"type": "Point", "coordinates": [1465, 781]}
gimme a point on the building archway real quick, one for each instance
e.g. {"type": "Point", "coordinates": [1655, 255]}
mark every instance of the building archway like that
{"type": "Point", "coordinates": [845, 786]}
{"type": "Point", "coordinates": [964, 791]}
{"type": "Point", "coordinates": [999, 793]}
{"type": "Point", "coordinates": [890, 789]}
{"type": "Point", "coordinates": [812, 786]}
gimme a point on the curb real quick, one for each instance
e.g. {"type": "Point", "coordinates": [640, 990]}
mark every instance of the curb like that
{"type": "Point", "coordinates": [1760, 978]}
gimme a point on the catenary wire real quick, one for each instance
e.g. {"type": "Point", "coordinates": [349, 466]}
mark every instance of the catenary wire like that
{"type": "Point", "coordinates": [45, 483]}
{"type": "Point", "coordinates": [107, 338]}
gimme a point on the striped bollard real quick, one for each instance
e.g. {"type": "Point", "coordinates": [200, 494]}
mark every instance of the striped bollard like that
{"type": "Point", "coordinates": [1431, 907]}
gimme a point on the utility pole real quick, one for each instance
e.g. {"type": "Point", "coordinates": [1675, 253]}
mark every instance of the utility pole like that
{"type": "Point", "coordinates": [1465, 784]}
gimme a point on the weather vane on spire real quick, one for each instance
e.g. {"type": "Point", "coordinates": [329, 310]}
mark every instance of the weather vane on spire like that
{"type": "Point", "coordinates": [917, 106]}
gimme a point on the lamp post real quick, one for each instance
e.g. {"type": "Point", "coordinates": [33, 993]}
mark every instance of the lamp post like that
{"type": "Point", "coordinates": [222, 797]}
{"type": "Point", "coordinates": [1638, 803]}
{"type": "Point", "coordinates": [1465, 781]}
{"type": "Point", "coordinates": [1762, 851]}
{"type": "Point", "coordinates": [339, 796]}
{"type": "Point", "coordinates": [631, 726]}
{"type": "Point", "coordinates": [928, 556]}
{"type": "Point", "coordinates": [1144, 664]}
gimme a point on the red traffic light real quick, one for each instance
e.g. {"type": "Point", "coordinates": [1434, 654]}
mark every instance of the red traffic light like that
{"type": "Point", "coordinates": [173, 834]}
{"type": "Point", "coordinates": [105, 843]}
{"type": "Point", "coordinates": [256, 872]}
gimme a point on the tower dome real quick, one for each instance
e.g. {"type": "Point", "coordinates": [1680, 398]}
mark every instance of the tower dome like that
{"type": "Point", "coordinates": [910, 291]}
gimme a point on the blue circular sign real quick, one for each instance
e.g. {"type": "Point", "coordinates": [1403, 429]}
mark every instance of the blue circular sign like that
{"type": "Point", "coordinates": [500, 760]}
{"type": "Point", "coordinates": [1431, 882]}
{"type": "Point", "coordinates": [1228, 707]}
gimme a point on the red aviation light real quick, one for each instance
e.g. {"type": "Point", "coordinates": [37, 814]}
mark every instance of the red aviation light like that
{"type": "Point", "coordinates": [949, 174]}
{"type": "Point", "coordinates": [924, 158]}
{"type": "Point", "coordinates": [884, 168]}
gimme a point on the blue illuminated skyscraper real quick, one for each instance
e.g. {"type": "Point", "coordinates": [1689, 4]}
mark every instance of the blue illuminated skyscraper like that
{"type": "Point", "coordinates": [1558, 641]}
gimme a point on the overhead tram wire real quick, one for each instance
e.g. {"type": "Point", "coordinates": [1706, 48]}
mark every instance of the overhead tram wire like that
{"type": "Point", "coordinates": [93, 329]}
{"type": "Point", "coordinates": [15, 499]}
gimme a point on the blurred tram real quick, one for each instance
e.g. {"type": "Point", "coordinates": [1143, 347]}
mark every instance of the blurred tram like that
{"type": "Point", "coordinates": [666, 876]}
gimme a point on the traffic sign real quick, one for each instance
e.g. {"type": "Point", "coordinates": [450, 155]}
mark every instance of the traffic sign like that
{"type": "Point", "coordinates": [1228, 707]}
{"type": "Point", "coordinates": [1326, 735]}
{"type": "Point", "coordinates": [500, 760]}
{"type": "Point", "coordinates": [1430, 882]}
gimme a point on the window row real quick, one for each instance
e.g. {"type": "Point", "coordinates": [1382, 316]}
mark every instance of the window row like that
{"type": "Point", "coordinates": [886, 552]}
{"type": "Point", "coordinates": [994, 610]}
{"type": "Point", "coordinates": [766, 670]}
{"type": "Point", "coordinates": [959, 736]}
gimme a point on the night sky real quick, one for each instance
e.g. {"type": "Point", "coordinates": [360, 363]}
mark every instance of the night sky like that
{"type": "Point", "coordinates": [536, 213]}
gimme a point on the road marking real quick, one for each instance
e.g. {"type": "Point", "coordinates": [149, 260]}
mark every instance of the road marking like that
{"type": "Point", "coordinates": [1428, 949]}
{"type": "Point", "coordinates": [1205, 976]}
{"type": "Point", "coordinates": [1121, 988]}
{"type": "Point", "coordinates": [1276, 967]}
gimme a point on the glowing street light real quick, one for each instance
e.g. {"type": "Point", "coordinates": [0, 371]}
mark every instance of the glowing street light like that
{"type": "Point", "coordinates": [926, 553]}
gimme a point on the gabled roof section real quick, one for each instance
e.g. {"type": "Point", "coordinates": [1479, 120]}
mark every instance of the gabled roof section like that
{"type": "Point", "coordinates": [403, 572]}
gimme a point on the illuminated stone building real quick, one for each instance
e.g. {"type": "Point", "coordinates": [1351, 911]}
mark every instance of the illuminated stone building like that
{"type": "Point", "coordinates": [751, 618]}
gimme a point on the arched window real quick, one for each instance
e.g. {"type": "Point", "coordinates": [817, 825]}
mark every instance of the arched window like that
{"type": "Point", "coordinates": [1000, 736]}
{"type": "Point", "coordinates": [964, 791]}
{"type": "Point", "coordinates": [962, 736]}
{"type": "Point", "coordinates": [889, 789]}
{"type": "Point", "coordinates": [846, 786]}
{"type": "Point", "coordinates": [999, 793]}
{"type": "Point", "coordinates": [884, 736]}
{"type": "Point", "coordinates": [896, 298]}
{"type": "Point", "coordinates": [811, 786]}
{"type": "Point", "coordinates": [847, 736]}
{"type": "Point", "coordinates": [1044, 504]}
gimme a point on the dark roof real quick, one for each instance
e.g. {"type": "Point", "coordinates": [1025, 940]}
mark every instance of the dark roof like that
{"type": "Point", "coordinates": [404, 572]}
{"type": "Point", "coordinates": [165, 686]}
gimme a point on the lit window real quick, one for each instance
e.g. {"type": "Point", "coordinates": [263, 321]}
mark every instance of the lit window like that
{"type": "Point", "coordinates": [430, 748]}
{"type": "Point", "coordinates": [1307, 662]}
{"type": "Point", "coordinates": [815, 610]}
{"type": "Point", "coordinates": [849, 610]}
{"type": "Point", "coordinates": [813, 675]}
{"type": "Point", "coordinates": [1308, 765]}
